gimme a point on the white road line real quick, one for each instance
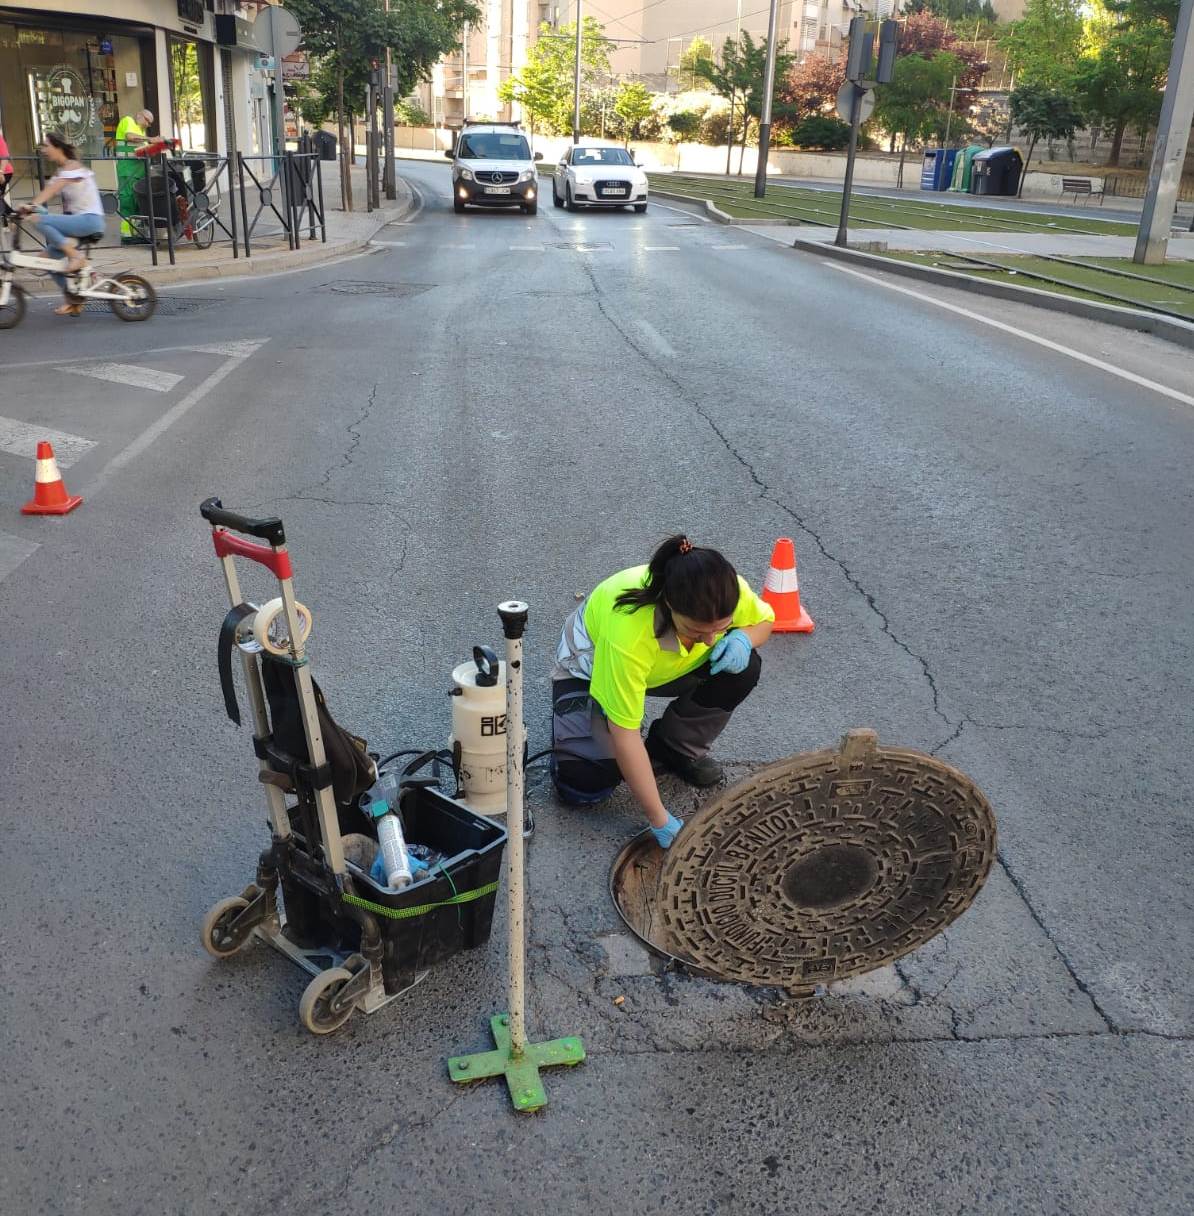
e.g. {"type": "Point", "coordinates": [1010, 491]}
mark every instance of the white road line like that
{"type": "Point", "coordinates": [21, 439]}
{"type": "Point", "coordinates": [127, 373]}
{"type": "Point", "coordinates": [727, 246]}
{"type": "Point", "coordinates": [389, 244]}
{"type": "Point", "coordinates": [661, 344]}
{"type": "Point", "coordinates": [526, 248]}
{"type": "Point", "coordinates": [13, 551]}
{"type": "Point", "coordinates": [238, 348]}
{"type": "Point", "coordinates": [1110, 368]}
{"type": "Point", "coordinates": [661, 248]}
{"type": "Point", "coordinates": [163, 424]}
{"type": "Point", "coordinates": [696, 215]}
{"type": "Point", "coordinates": [458, 246]}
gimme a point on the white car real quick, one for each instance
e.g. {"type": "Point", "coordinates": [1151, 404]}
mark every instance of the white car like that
{"type": "Point", "coordinates": [599, 175]}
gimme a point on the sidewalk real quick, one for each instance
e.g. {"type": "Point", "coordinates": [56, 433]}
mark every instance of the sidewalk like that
{"type": "Point", "coordinates": [347, 233]}
{"type": "Point", "coordinates": [1181, 247]}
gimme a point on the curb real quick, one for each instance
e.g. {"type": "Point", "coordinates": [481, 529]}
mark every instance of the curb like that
{"type": "Point", "coordinates": [716, 214]}
{"type": "Point", "coordinates": [311, 253]}
{"type": "Point", "coordinates": [1169, 328]}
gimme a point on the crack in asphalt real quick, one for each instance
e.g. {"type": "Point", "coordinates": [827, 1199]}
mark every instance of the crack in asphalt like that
{"type": "Point", "coordinates": [766, 494]}
{"type": "Point", "coordinates": [1081, 985]}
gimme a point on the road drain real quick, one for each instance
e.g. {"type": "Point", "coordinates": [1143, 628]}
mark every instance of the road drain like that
{"type": "Point", "coordinates": [820, 867]}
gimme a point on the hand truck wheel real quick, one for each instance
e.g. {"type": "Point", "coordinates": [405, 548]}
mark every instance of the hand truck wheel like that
{"type": "Point", "coordinates": [318, 1010]}
{"type": "Point", "coordinates": [219, 934]}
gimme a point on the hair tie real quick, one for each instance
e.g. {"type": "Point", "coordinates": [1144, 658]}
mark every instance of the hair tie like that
{"type": "Point", "coordinates": [685, 545]}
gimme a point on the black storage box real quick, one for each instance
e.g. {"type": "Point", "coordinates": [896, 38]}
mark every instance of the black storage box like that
{"type": "Point", "coordinates": [448, 911]}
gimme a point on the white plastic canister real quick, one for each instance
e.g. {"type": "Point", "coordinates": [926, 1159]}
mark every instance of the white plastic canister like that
{"type": "Point", "coordinates": [479, 727]}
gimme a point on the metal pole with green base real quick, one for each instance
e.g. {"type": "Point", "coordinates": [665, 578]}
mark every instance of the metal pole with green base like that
{"type": "Point", "coordinates": [513, 1057]}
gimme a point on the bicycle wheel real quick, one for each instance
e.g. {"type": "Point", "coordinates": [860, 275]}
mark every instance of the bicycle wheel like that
{"type": "Point", "coordinates": [203, 229]}
{"type": "Point", "coordinates": [12, 313]}
{"type": "Point", "coordinates": [143, 298]}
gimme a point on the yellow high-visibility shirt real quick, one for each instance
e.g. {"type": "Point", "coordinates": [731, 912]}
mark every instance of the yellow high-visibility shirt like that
{"type": "Point", "coordinates": [629, 657]}
{"type": "Point", "coordinates": [127, 127]}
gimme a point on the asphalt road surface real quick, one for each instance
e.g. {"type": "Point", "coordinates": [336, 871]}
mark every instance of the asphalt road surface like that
{"type": "Point", "coordinates": [992, 514]}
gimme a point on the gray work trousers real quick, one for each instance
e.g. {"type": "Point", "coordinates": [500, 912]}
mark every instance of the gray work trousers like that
{"type": "Point", "coordinates": [584, 768]}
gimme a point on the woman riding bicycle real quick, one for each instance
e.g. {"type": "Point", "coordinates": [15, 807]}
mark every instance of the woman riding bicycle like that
{"type": "Point", "coordinates": [83, 212]}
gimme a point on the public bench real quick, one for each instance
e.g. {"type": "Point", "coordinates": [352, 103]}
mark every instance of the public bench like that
{"type": "Point", "coordinates": [1080, 187]}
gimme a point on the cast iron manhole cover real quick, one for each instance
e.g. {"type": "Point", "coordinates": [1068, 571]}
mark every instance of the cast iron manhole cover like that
{"type": "Point", "coordinates": [823, 866]}
{"type": "Point", "coordinates": [582, 246]}
{"type": "Point", "coordinates": [351, 287]}
{"type": "Point", "coordinates": [168, 306]}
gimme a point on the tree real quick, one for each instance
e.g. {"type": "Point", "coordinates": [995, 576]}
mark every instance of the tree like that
{"type": "Point", "coordinates": [1043, 113]}
{"type": "Point", "coordinates": [739, 78]}
{"type": "Point", "coordinates": [345, 36]}
{"type": "Point", "coordinates": [810, 89]}
{"type": "Point", "coordinates": [684, 124]}
{"type": "Point", "coordinates": [632, 104]}
{"type": "Point", "coordinates": [821, 131]}
{"type": "Point", "coordinates": [692, 60]}
{"type": "Point", "coordinates": [1044, 47]}
{"type": "Point", "coordinates": [544, 86]}
{"type": "Point", "coordinates": [1121, 78]}
{"type": "Point", "coordinates": [955, 10]}
{"type": "Point", "coordinates": [916, 101]}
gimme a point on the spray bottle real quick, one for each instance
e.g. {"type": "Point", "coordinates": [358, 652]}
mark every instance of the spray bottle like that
{"type": "Point", "coordinates": [378, 803]}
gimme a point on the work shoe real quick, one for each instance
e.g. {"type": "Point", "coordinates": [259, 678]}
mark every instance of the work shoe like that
{"type": "Point", "coordinates": [702, 771]}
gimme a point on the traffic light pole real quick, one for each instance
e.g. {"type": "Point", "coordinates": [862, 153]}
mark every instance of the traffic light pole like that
{"type": "Point", "coordinates": [1173, 133]}
{"type": "Point", "coordinates": [848, 185]}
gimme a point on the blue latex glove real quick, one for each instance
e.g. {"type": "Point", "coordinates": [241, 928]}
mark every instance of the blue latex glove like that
{"type": "Point", "coordinates": [666, 834]}
{"type": "Point", "coordinates": [377, 871]}
{"type": "Point", "coordinates": [731, 654]}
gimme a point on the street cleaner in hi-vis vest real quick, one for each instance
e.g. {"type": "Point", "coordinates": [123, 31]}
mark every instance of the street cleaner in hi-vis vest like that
{"type": "Point", "coordinates": [131, 134]}
{"type": "Point", "coordinates": [685, 627]}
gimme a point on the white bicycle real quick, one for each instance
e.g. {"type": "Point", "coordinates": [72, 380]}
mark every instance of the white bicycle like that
{"type": "Point", "coordinates": [129, 296]}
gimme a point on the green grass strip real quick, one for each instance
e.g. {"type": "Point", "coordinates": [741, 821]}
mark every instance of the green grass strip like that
{"type": "Point", "coordinates": [464, 897]}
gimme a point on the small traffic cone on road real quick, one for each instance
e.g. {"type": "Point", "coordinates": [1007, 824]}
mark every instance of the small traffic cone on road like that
{"type": "Point", "coordinates": [782, 592]}
{"type": "Point", "coordinates": [49, 490]}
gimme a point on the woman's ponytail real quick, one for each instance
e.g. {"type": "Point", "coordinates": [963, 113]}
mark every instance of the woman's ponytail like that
{"type": "Point", "coordinates": [681, 577]}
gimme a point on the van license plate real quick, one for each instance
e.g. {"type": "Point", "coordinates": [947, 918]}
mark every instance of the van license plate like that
{"type": "Point", "coordinates": [497, 189]}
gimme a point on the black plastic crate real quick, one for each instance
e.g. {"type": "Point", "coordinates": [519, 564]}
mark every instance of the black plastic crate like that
{"type": "Point", "coordinates": [448, 911]}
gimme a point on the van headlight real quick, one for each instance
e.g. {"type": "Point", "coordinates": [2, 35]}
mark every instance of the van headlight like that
{"type": "Point", "coordinates": [527, 175]}
{"type": "Point", "coordinates": [466, 175]}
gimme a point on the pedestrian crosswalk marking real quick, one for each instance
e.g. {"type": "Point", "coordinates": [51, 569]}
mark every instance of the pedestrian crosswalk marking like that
{"type": "Point", "coordinates": [526, 248]}
{"type": "Point", "coordinates": [22, 438]}
{"type": "Point", "coordinates": [661, 248]}
{"type": "Point", "coordinates": [13, 551]}
{"type": "Point", "coordinates": [240, 348]}
{"type": "Point", "coordinates": [127, 373]}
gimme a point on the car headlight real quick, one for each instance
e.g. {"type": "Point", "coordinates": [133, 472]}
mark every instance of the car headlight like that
{"type": "Point", "coordinates": [527, 175]}
{"type": "Point", "coordinates": [466, 175]}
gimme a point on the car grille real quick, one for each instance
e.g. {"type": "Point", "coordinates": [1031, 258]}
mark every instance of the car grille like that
{"type": "Point", "coordinates": [602, 189]}
{"type": "Point", "coordinates": [496, 177]}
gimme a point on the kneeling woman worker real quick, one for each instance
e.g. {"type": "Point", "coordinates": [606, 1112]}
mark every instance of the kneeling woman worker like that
{"type": "Point", "coordinates": [685, 627]}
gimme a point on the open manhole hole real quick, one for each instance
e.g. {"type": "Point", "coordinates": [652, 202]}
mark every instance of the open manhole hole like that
{"type": "Point", "coordinates": [353, 287]}
{"type": "Point", "coordinates": [820, 867]}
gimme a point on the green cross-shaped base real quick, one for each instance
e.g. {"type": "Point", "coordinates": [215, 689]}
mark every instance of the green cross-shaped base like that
{"type": "Point", "coordinates": [522, 1071]}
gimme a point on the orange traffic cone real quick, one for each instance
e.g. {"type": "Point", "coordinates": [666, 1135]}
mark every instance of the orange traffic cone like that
{"type": "Point", "coordinates": [782, 592]}
{"type": "Point", "coordinates": [49, 490]}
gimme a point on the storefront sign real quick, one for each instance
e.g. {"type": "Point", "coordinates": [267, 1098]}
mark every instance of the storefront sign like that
{"type": "Point", "coordinates": [296, 66]}
{"type": "Point", "coordinates": [63, 103]}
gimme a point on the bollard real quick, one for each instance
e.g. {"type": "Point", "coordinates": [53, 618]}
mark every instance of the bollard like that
{"type": "Point", "coordinates": [513, 1057]}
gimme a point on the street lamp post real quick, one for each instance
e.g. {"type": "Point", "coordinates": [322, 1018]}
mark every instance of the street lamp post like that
{"type": "Point", "coordinates": [765, 113]}
{"type": "Point", "coordinates": [576, 81]}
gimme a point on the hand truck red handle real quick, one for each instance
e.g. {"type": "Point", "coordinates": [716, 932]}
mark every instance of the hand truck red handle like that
{"type": "Point", "coordinates": [268, 529]}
